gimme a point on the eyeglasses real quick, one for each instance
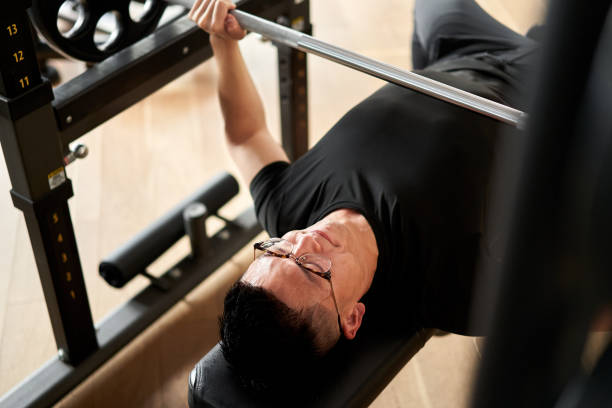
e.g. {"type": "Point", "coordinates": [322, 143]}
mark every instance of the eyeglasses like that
{"type": "Point", "coordinates": [317, 264]}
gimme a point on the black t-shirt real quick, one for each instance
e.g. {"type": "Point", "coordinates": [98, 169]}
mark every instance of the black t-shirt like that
{"type": "Point", "coordinates": [417, 168]}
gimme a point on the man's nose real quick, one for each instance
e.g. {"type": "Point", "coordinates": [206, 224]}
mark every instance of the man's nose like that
{"type": "Point", "coordinates": [305, 243]}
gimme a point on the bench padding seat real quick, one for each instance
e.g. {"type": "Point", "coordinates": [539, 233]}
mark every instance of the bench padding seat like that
{"type": "Point", "coordinates": [355, 375]}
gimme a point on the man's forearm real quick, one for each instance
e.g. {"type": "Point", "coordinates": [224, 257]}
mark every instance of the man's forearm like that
{"type": "Point", "coordinates": [249, 141]}
{"type": "Point", "coordinates": [241, 104]}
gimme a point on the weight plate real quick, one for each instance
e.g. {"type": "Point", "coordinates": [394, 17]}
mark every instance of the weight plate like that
{"type": "Point", "coordinates": [83, 40]}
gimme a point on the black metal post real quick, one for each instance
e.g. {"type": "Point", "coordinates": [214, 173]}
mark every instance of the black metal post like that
{"type": "Point", "coordinates": [32, 150]}
{"type": "Point", "coordinates": [293, 84]}
{"type": "Point", "coordinates": [35, 130]}
{"type": "Point", "coordinates": [548, 292]}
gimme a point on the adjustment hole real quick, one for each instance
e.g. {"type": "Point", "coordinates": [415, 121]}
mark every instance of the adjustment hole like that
{"type": "Point", "coordinates": [108, 30]}
{"type": "Point", "coordinates": [70, 17]}
{"type": "Point", "coordinates": [140, 10]}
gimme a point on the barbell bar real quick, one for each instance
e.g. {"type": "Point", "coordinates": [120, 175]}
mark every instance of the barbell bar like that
{"type": "Point", "coordinates": [306, 43]}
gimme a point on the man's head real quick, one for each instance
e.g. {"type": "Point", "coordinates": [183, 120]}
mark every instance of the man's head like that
{"type": "Point", "coordinates": [284, 308]}
{"type": "Point", "coordinates": [266, 342]}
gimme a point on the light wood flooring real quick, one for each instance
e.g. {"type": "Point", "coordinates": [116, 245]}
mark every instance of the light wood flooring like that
{"type": "Point", "coordinates": [150, 157]}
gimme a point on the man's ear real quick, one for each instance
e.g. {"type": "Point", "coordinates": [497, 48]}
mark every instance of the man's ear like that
{"type": "Point", "coordinates": [351, 324]}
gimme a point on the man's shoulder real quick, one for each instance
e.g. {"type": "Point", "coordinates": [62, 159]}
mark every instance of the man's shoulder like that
{"type": "Point", "coordinates": [264, 189]}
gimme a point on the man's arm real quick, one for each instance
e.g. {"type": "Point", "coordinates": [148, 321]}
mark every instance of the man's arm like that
{"type": "Point", "coordinates": [249, 141]}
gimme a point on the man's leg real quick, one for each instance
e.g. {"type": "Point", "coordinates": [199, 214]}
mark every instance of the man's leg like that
{"type": "Point", "coordinates": [446, 28]}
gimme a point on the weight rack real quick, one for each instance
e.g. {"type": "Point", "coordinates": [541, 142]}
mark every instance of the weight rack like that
{"type": "Point", "coordinates": [37, 124]}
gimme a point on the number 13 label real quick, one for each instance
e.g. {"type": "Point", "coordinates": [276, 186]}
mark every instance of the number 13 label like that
{"type": "Point", "coordinates": [12, 30]}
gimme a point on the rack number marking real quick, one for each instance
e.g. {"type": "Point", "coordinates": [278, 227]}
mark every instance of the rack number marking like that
{"type": "Point", "coordinates": [24, 82]}
{"type": "Point", "coordinates": [18, 56]}
{"type": "Point", "coordinates": [12, 30]}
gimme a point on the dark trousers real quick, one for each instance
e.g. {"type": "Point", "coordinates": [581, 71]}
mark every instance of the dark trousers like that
{"type": "Point", "coordinates": [459, 37]}
{"type": "Point", "coordinates": [456, 35]}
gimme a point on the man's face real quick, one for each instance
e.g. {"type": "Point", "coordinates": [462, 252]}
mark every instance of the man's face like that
{"type": "Point", "coordinates": [298, 288]}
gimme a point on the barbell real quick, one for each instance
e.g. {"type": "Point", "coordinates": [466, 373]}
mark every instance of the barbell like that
{"type": "Point", "coordinates": [79, 41]}
{"type": "Point", "coordinates": [306, 43]}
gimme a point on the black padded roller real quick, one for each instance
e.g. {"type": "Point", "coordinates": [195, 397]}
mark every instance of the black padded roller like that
{"type": "Point", "coordinates": [134, 256]}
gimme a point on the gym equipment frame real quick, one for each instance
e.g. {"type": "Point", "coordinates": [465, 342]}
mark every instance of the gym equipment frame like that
{"type": "Point", "coordinates": [37, 124]}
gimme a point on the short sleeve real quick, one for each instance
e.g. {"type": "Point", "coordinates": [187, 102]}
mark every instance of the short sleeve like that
{"type": "Point", "coordinates": [264, 190]}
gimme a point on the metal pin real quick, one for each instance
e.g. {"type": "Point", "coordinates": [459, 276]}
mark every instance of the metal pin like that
{"type": "Point", "coordinates": [79, 152]}
{"type": "Point", "coordinates": [194, 218]}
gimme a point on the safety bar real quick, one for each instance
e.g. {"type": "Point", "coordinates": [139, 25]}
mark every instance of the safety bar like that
{"type": "Point", "coordinates": [133, 257]}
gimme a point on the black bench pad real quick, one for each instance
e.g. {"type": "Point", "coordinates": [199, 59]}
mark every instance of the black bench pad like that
{"type": "Point", "coordinates": [356, 374]}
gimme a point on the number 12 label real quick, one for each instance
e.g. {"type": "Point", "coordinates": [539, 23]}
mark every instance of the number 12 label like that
{"type": "Point", "coordinates": [18, 56]}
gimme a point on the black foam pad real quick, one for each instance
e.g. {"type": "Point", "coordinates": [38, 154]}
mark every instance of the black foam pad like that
{"type": "Point", "coordinates": [354, 375]}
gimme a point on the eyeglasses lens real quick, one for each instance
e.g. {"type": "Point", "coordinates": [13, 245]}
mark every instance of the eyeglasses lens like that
{"type": "Point", "coordinates": [314, 262]}
{"type": "Point", "coordinates": [280, 247]}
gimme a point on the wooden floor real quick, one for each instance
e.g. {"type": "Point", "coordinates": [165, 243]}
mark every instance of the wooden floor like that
{"type": "Point", "coordinates": [150, 157]}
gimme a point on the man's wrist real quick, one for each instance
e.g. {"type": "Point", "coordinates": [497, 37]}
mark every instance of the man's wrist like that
{"type": "Point", "coordinates": [220, 43]}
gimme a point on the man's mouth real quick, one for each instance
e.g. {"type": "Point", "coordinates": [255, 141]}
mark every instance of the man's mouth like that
{"type": "Point", "coordinates": [324, 235]}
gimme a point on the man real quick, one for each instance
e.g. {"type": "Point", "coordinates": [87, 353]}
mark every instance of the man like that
{"type": "Point", "coordinates": [384, 214]}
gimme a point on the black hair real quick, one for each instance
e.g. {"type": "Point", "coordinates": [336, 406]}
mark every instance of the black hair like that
{"type": "Point", "coordinates": [268, 345]}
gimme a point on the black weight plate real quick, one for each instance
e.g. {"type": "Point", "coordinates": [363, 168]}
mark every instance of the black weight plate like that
{"type": "Point", "coordinates": [79, 41]}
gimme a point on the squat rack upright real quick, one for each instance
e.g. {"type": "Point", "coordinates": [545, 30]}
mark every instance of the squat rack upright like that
{"type": "Point", "coordinates": [37, 124]}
